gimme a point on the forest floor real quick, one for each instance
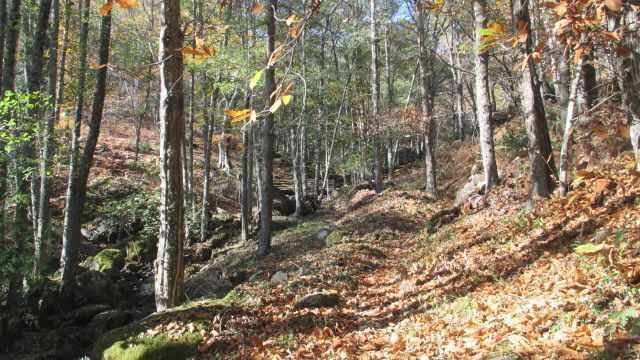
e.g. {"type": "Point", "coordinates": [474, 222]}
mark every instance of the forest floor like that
{"type": "Point", "coordinates": [398, 275]}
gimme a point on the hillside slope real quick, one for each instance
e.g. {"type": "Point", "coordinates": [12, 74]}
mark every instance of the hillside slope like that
{"type": "Point", "coordinates": [401, 276]}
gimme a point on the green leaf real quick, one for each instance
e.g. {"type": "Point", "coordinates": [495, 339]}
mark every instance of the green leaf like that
{"type": "Point", "coordinates": [255, 79]}
{"type": "Point", "coordinates": [589, 249]}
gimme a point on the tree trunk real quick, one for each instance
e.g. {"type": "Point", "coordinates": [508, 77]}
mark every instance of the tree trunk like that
{"type": "Point", "coordinates": [628, 69]}
{"type": "Point", "coordinates": [245, 200]}
{"type": "Point", "coordinates": [3, 35]}
{"type": "Point", "coordinates": [68, 258]}
{"type": "Point", "coordinates": [77, 190]}
{"type": "Point", "coordinates": [206, 134]}
{"type": "Point", "coordinates": [426, 109]}
{"type": "Point", "coordinates": [539, 147]}
{"type": "Point", "coordinates": [266, 206]}
{"type": "Point", "coordinates": [41, 241]}
{"type": "Point", "coordinates": [169, 265]}
{"type": "Point", "coordinates": [8, 84]}
{"type": "Point", "coordinates": [63, 60]}
{"type": "Point", "coordinates": [375, 98]}
{"type": "Point", "coordinates": [482, 99]}
{"type": "Point", "coordinates": [34, 84]}
{"type": "Point", "coordinates": [567, 138]}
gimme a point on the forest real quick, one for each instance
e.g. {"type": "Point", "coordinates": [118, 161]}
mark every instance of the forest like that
{"type": "Point", "coordinates": [319, 179]}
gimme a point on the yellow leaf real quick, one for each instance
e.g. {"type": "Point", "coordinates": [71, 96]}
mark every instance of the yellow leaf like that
{"type": "Point", "coordinates": [237, 115]}
{"type": "Point", "coordinates": [106, 8]}
{"type": "Point", "coordinates": [127, 4]}
{"type": "Point", "coordinates": [255, 79]}
{"type": "Point", "coordinates": [276, 105]}
{"type": "Point", "coordinates": [286, 99]}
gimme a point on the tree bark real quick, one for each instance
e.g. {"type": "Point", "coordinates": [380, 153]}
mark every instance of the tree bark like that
{"type": "Point", "coordinates": [482, 99]}
{"type": "Point", "coordinates": [266, 206]}
{"type": "Point", "coordinates": [375, 99]}
{"type": "Point", "coordinates": [426, 108]}
{"type": "Point", "coordinates": [206, 134]}
{"type": "Point", "coordinates": [68, 258]}
{"type": "Point", "coordinates": [8, 84]}
{"type": "Point", "coordinates": [77, 189]}
{"type": "Point", "coordinates": [41, 241]}
{"type": "Point", "coordinates": [169, 265]}
{"type": "Point", "coordinates": [63, 60]}
{"type": "Point", "coordinates": [539, 147]}
{"type": "Point", "coordinates": [567, 138]}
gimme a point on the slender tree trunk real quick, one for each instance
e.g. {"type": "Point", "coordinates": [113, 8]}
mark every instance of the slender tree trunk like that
{"type": "Point", "coordinates": [266, 206]}
{"type": "Point", "coordinates": [426, 109]}
{"type": "Point", "coordinates": [540, 155]}
{"type": "Point", "coordinates": [567, 138]}
{"type": "Point", "coordinates": [34, 84]}
{"type": "Point", "coordinates": [206, 134]}
{"type": "Point", "coordinates": [41, 240]}
{"type": "Point", "coordinates": [3, 160]}
{"type": "Point", "coordinates": [628, 70]}
{"type": "Point", "coordinates": [245, 203]}
{"type": "Point", "coordinates": [63, 60]}
{"type": "Point", "coordinates": [76, 197]}
{"type": "Point", "coordinates": [3, 35]}
{"type": "Point", "coordinates": [169, 265]}
{"type": "Point", "coordinates": [482, 99]}
{"type": "Point", "coordinates": [8, 84]}
{"type": "Point", "coordinates": [68, 258]}
{"type": "Point", "coordinates": [375, 99]}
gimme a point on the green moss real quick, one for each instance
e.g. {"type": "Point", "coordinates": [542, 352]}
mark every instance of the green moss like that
{"type": "Point", "coordinates": [337, 237]}
{"type": "Point", "coordinates": [108, 260]}
{"type": "Point", "coordinates": [154, 348]}
{"type": "Point", "coordinates": [134, 341]}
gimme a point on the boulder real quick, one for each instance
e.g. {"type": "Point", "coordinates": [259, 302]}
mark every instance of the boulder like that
{"type": "Point", "coordinates": [474, 185]}
{"type": "Point", "coordinates": [108, 261]}
{"type": "Point", "coordinates": [209, 282]}
{"type": "Point", "coordinates": [108, 320]}
{"type": "Point", "coordinates": [318, 300]}
{"type": "Point", "coordinates": [280, 277]}
{"type": "Point", "coordinates": [282, 204]}
{"type": "Point", "coordinates": [82, 315]}
{"type": "Point", "coordinates": [96, 287]}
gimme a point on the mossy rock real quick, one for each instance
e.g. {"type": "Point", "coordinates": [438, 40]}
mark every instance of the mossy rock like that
{"type": "Point", "coordinates": [136, 342]}
{"type": "Point", "coordinates": [108, 261]}
{"type": "Point", "coordinates": [158, 347]}
{"type": "Point", "coordinates": [336, 237]}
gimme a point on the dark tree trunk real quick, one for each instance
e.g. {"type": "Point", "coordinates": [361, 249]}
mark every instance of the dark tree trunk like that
{"type": "Point", "coordinates": [378, 156]}
{"type": "Point", "coordinates": [206, 134]}
{"type": "Point", "coordinates": [68, 258]}
{"type": "Point", "coordinates": [169, 265]}
{"type": "Point", "coordinates": [540, 155]}
{"type": "Point", "coordinates": [426, 108]}
{"type": "Point", "coordinates": [266, 206]}
{"type": "Point", "coordinates": [42, 231]}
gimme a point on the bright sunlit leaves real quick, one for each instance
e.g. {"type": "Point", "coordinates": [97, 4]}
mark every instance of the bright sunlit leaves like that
{"type": "Point", "coordinates": [199, 51]}
{"type": "Point", "coordinates": [257, 8]}
{"type": "Point", "coordinates": [106, 8]}
{"type": "Point", "coordinates": [238, 115]}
